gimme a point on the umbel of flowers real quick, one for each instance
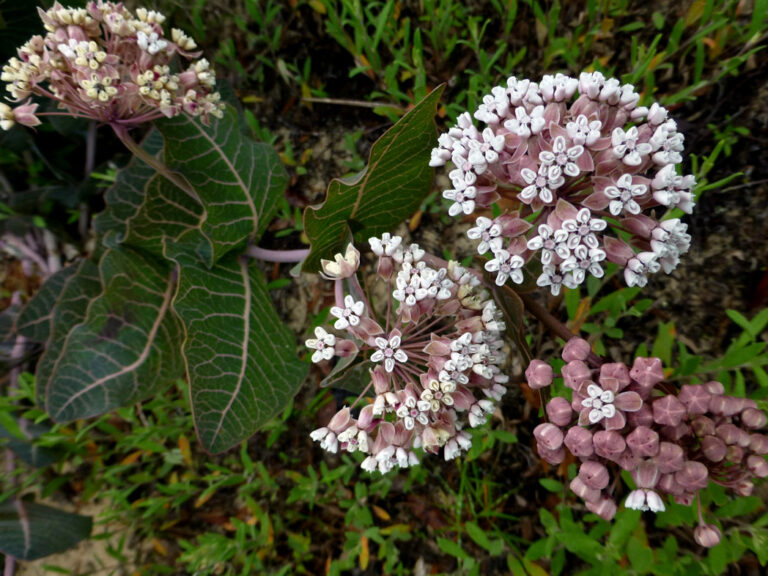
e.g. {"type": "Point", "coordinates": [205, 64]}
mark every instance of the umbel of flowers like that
{"type": "Point", "coordinates": [434, 358]}
{"type": "Point", "coordinates": [584, 159]}
{"type": "Point", "coordinates": [673, 441]}
{"type": "Point", "coordinates": [105, 63]}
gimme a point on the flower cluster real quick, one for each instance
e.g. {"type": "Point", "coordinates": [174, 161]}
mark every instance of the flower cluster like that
{"type": "Point", "coordinates": [102, 62]}
{"type": "Point", "coordinates": [580, 157]}
{"type": "Point", "coordinates": [434, 361]}
{"type": "Point", "coordinates": [673, 442]}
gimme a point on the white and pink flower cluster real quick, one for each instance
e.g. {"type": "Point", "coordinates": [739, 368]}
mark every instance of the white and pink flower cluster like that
{"type": "Point", "coordinates": [105, 63]}
{"type": "Point", "coordinates": [580, 158]}
{"type": "Point", "coordinates": [435, 357]}
{"type": "Point", "coordinates": [673, 442]}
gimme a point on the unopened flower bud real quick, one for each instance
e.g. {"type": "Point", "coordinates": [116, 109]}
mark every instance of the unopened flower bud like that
{"type": "Point", "coordinates": [609, 444]}
{"type": "Point", "coordinates": [553, 457]}
{"type": "Point", "coordinates": [684, 499]}
{"type": "Point", "coordinates": [758, 443]}
{"type": "Point", "coordinates": [579, 441]}
{"type": "Point", "coordinates": [647, 372]}
{"type": "Point", "coordinates": [668, 484]}
{"type": "Point", "coordinates": [668, 411]}
{"type": "Point", "coordinates": [734, 454]}
{"type": "Point", "coordinates": [605, 508]}
{"type": "Point", "coordinates": [644, 442]}
{"type": "Point", "coordinates": [707, 535]}
{"type": "Point", "coordinates": [675, 433]}
{"type": "Point", "coordinates": [539, 374]}
{"type": "Point", "coordinates": [583, 491]}
{"type": "Point", "coordinates": [643, 417]}
{"type": "Point", "coordinates": [754, 418]}
{"type": "Point", "coordinates": [694, 476]}
{"type": "Point", "coordinates": [744, 488]}
{"type": "Point", "coordinates": [714, 387]}
{"type": "Point", "coordinates": [703, 426]}
{"type": "Point", "coordinates": [340, 420]}
{"type": "Point", "coordinates": [616, 370]}
{"type": "Point", "coordinates": [594, 474]}
{"type": "Point", "coordinates": [726, 405]}
{"type": "Point", "coordinates": [574, 373]}
{"type": "Point", "coordinates": [576, 349]}
{"type": "Point", "coordinates": [670, 457]}
{"type": "Point", "coordinates": [713, 448]}
{"type": "Point", "coordinates": [730, 433]}
{"type": "Point", "coordinates": [757, 465]}
{"type": "Point", "coordinates": [548, 435]}
{"type": "Point", "coordinates": [695, 398]}
{"type": "Point", "coordinates": [559, 411]}
{"type": "Point", "coordinates": [646, 475]}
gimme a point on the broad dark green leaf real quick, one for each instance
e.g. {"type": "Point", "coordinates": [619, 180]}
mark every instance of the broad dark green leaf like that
{"type": "Point", "coordinates": [126, 348]}
{"type": "Point", "coordinates": [391, 188]}
{"type": "Point", "coordinates": [241, 360]}
{"type": "Point", "coordinates": [8, 319]}
{"type": "Point", "coordinates": [29, 531]}
{"type": "Point", "coordinates": [28, 450]}
{"type": "Point", "coordinates": [68, 311]}
{"type": "Point", "coordinates": [228, 191]}
{"type": "Point", "coordinates": [35, 320]}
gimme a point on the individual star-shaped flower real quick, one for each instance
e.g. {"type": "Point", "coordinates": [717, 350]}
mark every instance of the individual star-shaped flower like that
{"type": "Point", "coordinates": [606, 402]}
{"type": "Point", "coordinates": [389, 351]}
{"type": "Point", "coordinates": [322, 344]}
{"type": "Point", "coordinates": [349, 315]}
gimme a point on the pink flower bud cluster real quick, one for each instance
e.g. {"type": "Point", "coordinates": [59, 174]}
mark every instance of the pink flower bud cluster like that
{"type": "Point", "coordinates": [102, 62]}
{"type": "Point", "coordinates": [581, 158]}
{"type": "Point", "coordinates": [673, 443]}
{"type": "Point", "coordinates": [434, 359]}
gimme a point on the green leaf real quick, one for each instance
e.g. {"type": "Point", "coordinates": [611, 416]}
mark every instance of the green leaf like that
{"type": "Point", "coordinates": [452, 548]}
{"type": "Point", "coordinates": [478, 535]}
{"type": "Point", "coordinates": [69, 310]}
{"type": "Point", "coordinates": [224, 191]}
{"type": "Point", "coordinates": [240, 358]}
{"type": "Point", "coordinates": [640, 556]}
{"type": "Point", "coordinates": [34, 322]}
{"type": "Point", "coordinates": [126, 348]}
{"type": "Point", "coordinates": [27, 449]}
{"type": "Point", "coordinates": [398, 177]}
{"type": "Point", "coordinates": [551, 485]}
{"type": "Point", "coordinates": [29, 531]}
{"type": "Point", "coordinates": [740, 507]}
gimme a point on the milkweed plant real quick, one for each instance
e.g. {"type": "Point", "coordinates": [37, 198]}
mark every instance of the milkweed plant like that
{"type": "Point", "coordinates": [561, 177]}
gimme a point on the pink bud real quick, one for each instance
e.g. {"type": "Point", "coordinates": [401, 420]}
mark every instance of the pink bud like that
{"type": "Point", "coordinates": [25, 114]}
{"type": "Point", "coordinates": [548, 435]}
{"type": "Point", "coordinates": [643, 442]}
{"type": "Point", "coordinates": [380, 380]}
{"type": "Point", "coordinates": [643, 417]}
{"type": "Point", "coordinates": [385, 267]}
{"type": "Point", "coordinates": [579, 441]}
{"type": "Point", "coordinates": [646, 475]}
{"type": "Point", "coordinates": [366, 417]}
{"type": "Point", "coordinates": [706, 535]}
{"type": "Point", "coordinates": [627, 461]}
{"type": "Point", "coordinates": [675, 433]}
{"type": "Point", "coordinates": [754, 418]}
{"type": "Point", "coordinates": [559, 411]}
{"type": "Point", "coordinates": [340, 420]}
{"type": "Point", "coordinates": [640, 225]}
{"type": "Point", "coordinates": [758, 443]}
{"type": "Point", "coordinates": [539, 374]}
{"type": "Point", "coordinates": [574, 373]}
{"type": "Point", "coordinates": [553, 457]}
{"type": "Point", "coordinates": [609, 444]}
{"type": "Point", "coordinates": [714, 387]}
{"type": "Point", "coordinates": [670, 457]}
{"type": "Point", "coordinates": [730, 433]}
{"type": "Point", "coordinates": [617, 370]}
{"type": "Point", "coordinates": [617, 251]}
{"type": "Point", "coordinates": [695, 398]}
{"type": "Point", "coordinates": [605, 508]}
{"type": "Point", "coordinates": [583, 491]}
{"type": "Point", "coordinates": [713, 448]}
{"type": "Point", "coordinates": [703, 426]}
{"type": "Point", "coordinates": [744, 488]}
{"type": "Point", "coordinates": [757, 465]}
{"type": "Point", "coordinates": [684, 499]}
{"type": "Point", "coordinates": [668, 484]}
{"type": "Point", "coordinates": [668, 411]}
{"type": "Point", "coordinates": [576, 349]}
{"type": "Point", "coordinates": [594, 474]}
{"type": "Point", "coordinates": [646, 372]}
{"type": "Point", "coordinates": [694, 476]}
{"type": "Point", "coordinates": [726, 405]}
{"type": "Point", "coordinates": [734, 454]}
